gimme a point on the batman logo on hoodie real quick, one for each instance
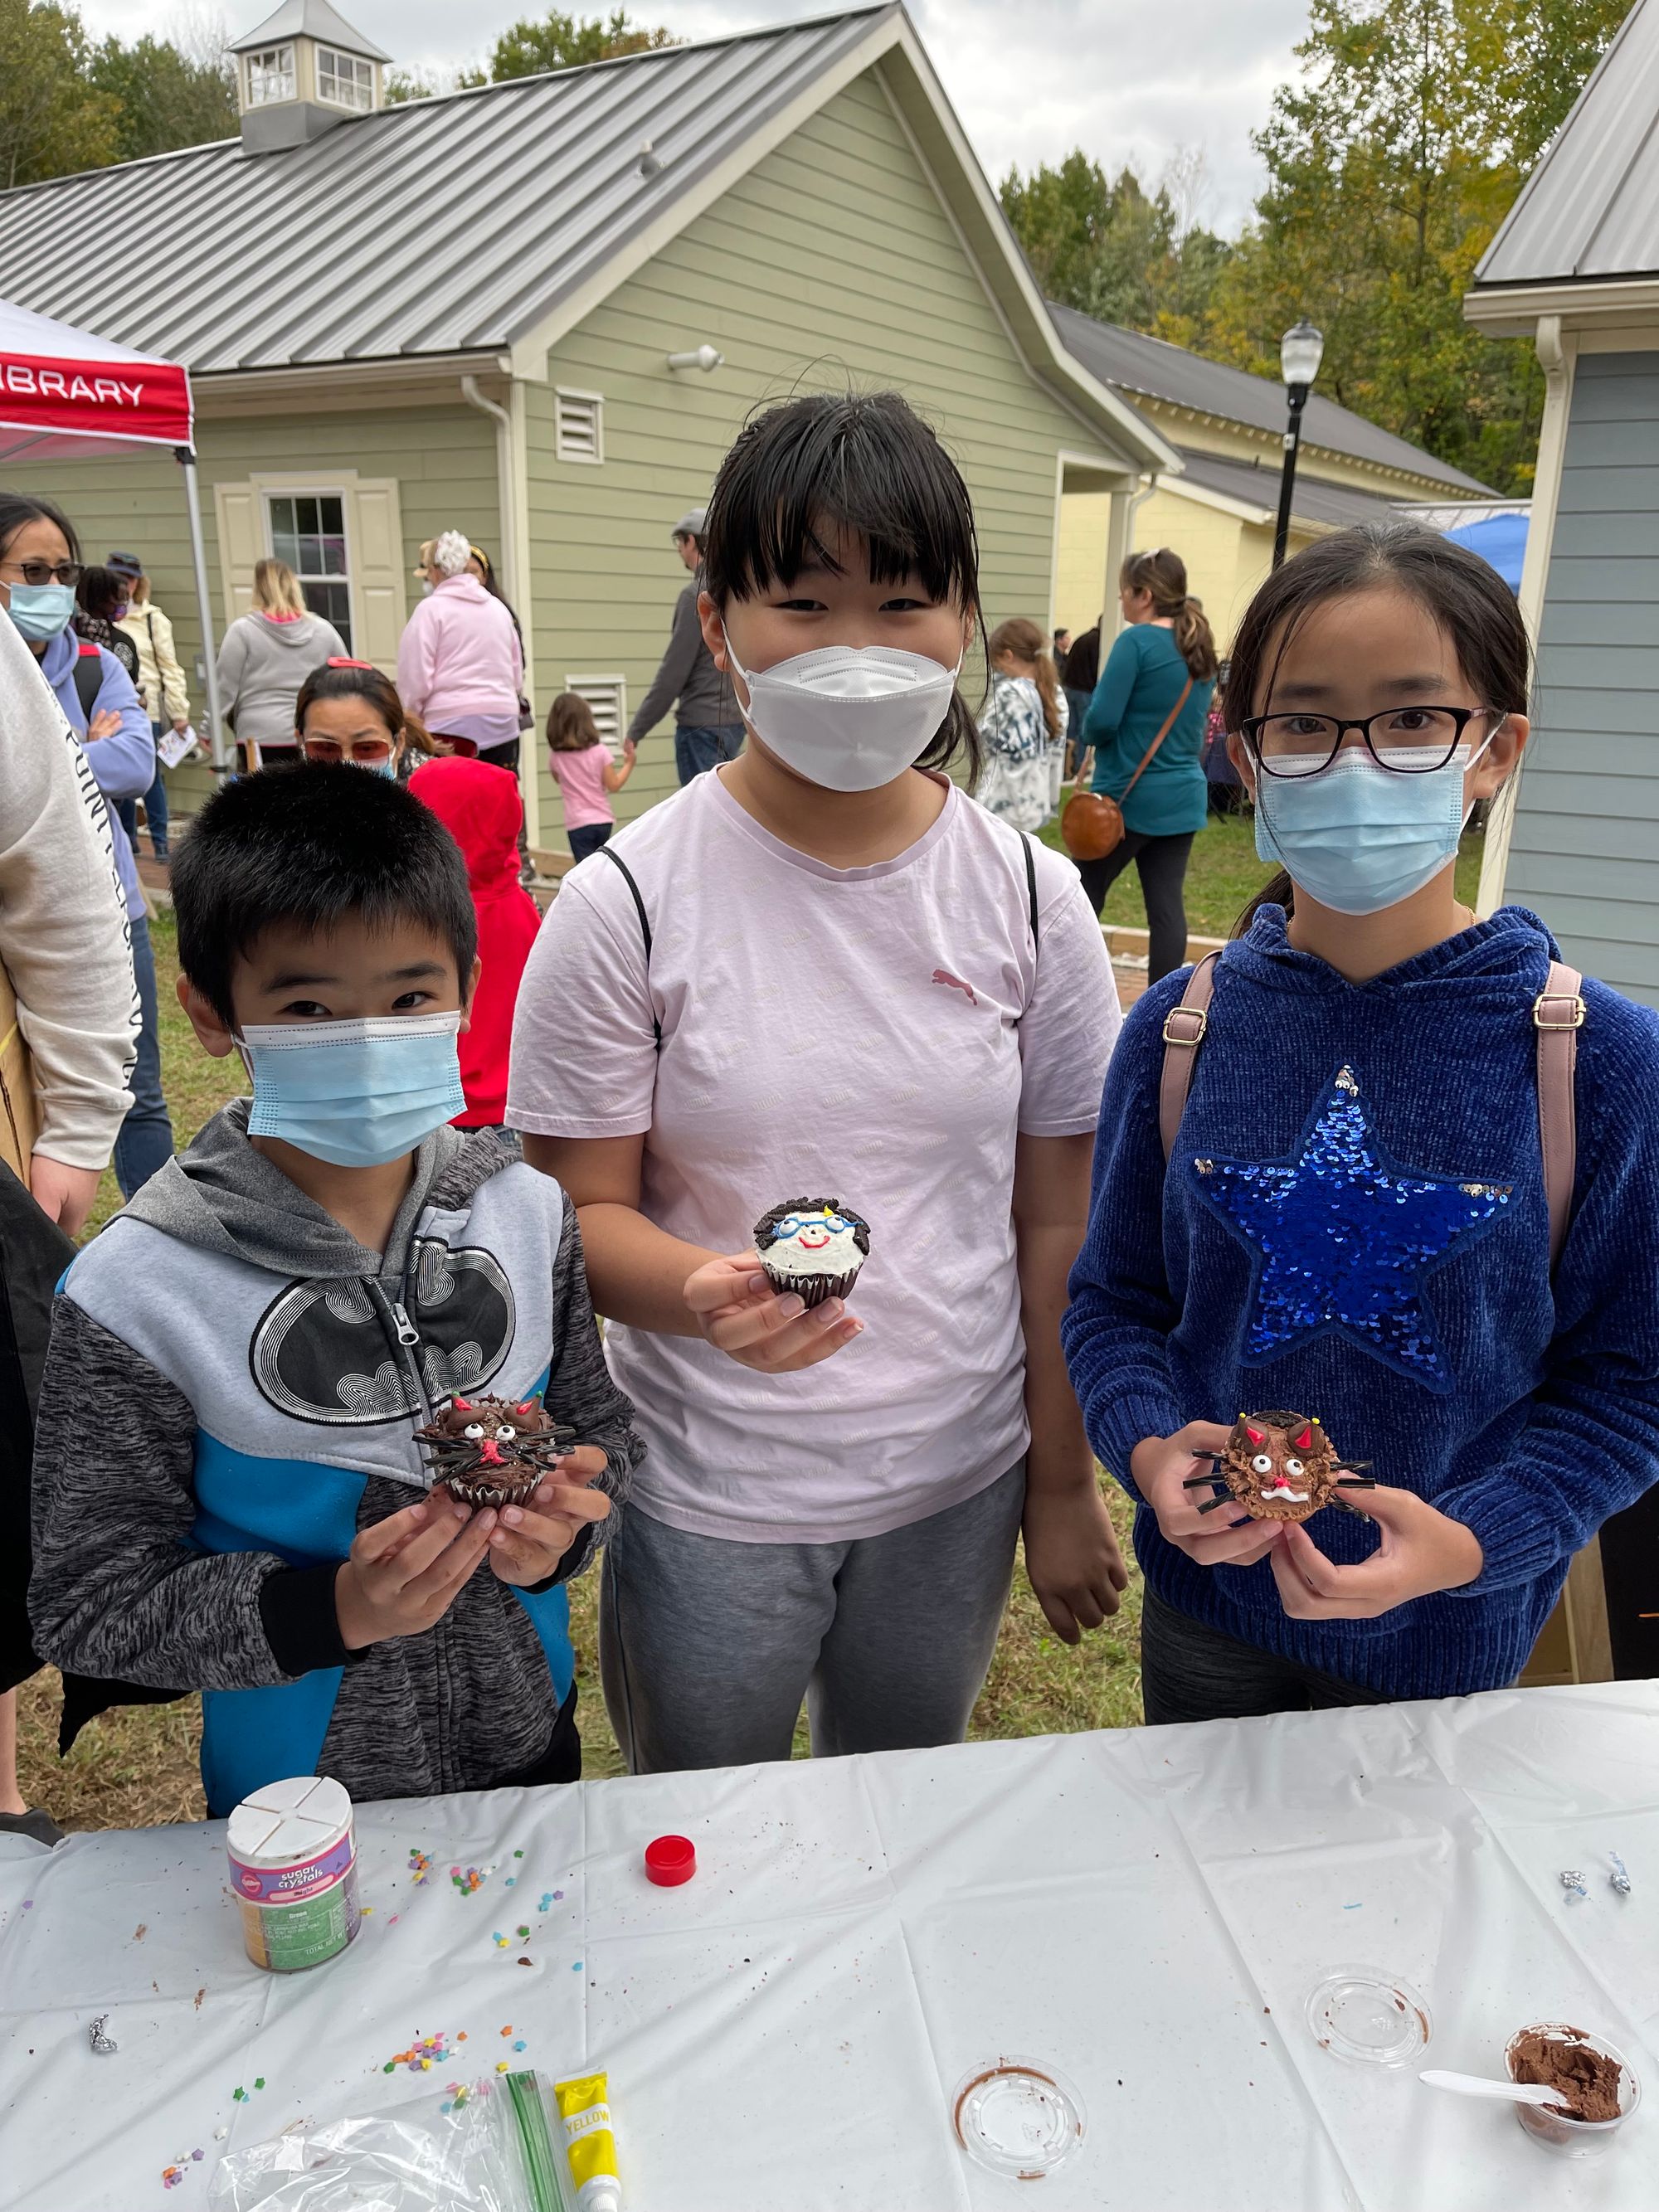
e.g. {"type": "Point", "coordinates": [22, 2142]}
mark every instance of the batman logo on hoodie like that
{"type": "Point", "coordinates": [325, 1350]}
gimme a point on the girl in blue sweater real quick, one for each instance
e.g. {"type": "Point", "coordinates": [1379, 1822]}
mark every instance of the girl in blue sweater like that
{"type": "Point", "coordinates": [1353, 1219]}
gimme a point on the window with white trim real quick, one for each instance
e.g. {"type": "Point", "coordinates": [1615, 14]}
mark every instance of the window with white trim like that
{"type": "Point", "coordinates": [271, 75]}
{"type": "Point", "coordinates": [343, 80]}
{"type": "Point", "coordinates": [579, 425]}
{"type": "Point", "coordinates": [308, 531]}
{"type": "Point", "coordinates": [607, 699]}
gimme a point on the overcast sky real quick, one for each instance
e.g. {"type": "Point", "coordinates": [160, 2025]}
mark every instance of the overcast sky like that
{"type": "Point", "coordinates": [1126, 80]}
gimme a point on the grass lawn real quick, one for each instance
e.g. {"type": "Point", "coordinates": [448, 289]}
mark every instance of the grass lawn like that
{"type": "Point", "coordinates": [138, 1765]}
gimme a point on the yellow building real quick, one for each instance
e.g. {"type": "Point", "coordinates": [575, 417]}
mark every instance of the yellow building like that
{"type": "Point", "coordinates": [1218, 512]}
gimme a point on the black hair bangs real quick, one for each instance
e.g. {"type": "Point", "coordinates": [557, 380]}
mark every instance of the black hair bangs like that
{"type": "Point", "coordinates": [310, 847]}
{"type": "Point", "coordinates": [864, 465]}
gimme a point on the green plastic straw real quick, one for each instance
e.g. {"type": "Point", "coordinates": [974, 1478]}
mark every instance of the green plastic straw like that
{"type": "Point", "coordinates": [542, 2159]}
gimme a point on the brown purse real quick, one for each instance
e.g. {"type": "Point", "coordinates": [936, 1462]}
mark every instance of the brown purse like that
{"type": "Point", "coordinates": [1092, 824]}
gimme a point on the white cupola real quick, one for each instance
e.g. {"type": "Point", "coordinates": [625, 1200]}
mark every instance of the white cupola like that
{"type": "Point", "coordinates": [301, 71]}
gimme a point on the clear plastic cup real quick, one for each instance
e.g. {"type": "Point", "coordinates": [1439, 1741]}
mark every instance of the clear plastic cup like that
{"type": "Point", "coordinates": [1559, 2132]}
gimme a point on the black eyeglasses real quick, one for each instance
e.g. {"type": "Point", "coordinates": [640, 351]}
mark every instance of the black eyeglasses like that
{"type": "Point", "coordinates": [1405, 740]}
{"type": "Point", "coordinates": [47, 571]}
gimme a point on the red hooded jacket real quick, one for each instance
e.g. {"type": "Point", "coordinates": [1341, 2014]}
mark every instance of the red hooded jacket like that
{"type": "Point", "coordinates": [480, 807]}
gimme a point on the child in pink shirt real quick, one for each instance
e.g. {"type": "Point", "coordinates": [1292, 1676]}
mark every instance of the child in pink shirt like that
{"type": "Point", "coordinates": [585, 771]}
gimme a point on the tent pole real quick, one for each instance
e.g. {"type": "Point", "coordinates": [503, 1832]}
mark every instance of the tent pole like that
{"type": "Point", "coordinates": [186, 460]}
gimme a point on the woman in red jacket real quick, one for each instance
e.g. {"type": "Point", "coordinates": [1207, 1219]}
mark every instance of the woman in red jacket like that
{"type": "Point", "coordinates": [480, 807]}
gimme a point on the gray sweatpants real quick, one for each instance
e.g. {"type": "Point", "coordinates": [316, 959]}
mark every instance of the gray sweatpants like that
{"type": "Point", "coordinates": [706, 1647]}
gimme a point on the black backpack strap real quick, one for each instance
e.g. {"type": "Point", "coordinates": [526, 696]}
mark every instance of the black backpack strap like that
{"type": "Point", "coordinates": [89, 678]}
{"type": "Point", "coordinates": [1030, 884]}
{"type": "Point", "coordinates": [627, 874]}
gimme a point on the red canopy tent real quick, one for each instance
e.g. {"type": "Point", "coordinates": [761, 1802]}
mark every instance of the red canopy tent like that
{"type": "Point", "coordinates": [64, 394]}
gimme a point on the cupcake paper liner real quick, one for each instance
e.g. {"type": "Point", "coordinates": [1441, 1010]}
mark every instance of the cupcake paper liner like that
{"type": "Point", "coordinates": [813, 1289]}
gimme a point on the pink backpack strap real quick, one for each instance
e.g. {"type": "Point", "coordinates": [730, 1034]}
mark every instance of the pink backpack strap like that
{"type": "Point", "coordinates": [1558, 1015]}
{"type": "Point", "coordinates": [1183, 1032]}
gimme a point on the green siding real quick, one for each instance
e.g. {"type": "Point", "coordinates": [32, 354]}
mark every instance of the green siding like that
{"type": "Point", "coordinates": [832, 262]}
{"type": "Point", "coordinates": [443, 458]}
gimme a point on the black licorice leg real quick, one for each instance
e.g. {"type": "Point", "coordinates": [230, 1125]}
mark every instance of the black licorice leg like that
{"type": "Point", "coordinates": [1225, 1495]}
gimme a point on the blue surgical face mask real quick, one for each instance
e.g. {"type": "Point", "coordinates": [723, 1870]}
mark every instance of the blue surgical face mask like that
{"type": "Point", "coordinates": [356, 1094]}
{"type": "Point", "coordinates": [1359, 839]}
{"type": "Point", "coordinates": [42, 611]}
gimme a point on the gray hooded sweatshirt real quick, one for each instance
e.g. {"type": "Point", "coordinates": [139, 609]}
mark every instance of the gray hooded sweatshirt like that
{"type": "Point", "coordinates": [262, 665]}
{"type": "Point", "coordinates": [232, 1392]}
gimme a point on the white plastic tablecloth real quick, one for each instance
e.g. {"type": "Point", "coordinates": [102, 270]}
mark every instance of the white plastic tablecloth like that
{"type": "Point", "coordinates": [1146, 1910]}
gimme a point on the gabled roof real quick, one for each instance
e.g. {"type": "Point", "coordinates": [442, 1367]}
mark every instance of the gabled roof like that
{"type": "Point", "coordinates": [308, 19]}
{"type": "Point", "coordinates": [1151, 367]}
{"type": "Point", "coordinates": [1590, 209]}
{"type": "Point", "coordinates": [336, 252]}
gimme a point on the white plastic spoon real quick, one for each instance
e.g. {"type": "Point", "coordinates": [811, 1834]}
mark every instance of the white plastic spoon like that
{"type": "Point", "coordinates": [1479, 2085]}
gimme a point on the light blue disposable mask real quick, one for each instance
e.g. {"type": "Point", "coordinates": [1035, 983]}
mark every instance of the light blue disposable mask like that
{"type": "Point", "coordinates": [356, 1094]}
{"type": "Point", "coordinates": [42, 612]}
{"type": "Point", "coordinates": [1359, 839]}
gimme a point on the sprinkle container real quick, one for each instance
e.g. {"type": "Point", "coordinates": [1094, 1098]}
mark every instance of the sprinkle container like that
{"type": "Point", "coordinates": [293, 1869]}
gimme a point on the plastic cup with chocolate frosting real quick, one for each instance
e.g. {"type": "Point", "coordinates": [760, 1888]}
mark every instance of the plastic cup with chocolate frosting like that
{"type": "Point", "coordinates": [1600, 2089]}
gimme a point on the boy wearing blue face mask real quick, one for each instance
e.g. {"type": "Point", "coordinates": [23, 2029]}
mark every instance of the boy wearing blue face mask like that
{"type": "Point", "coordinates": [229, 1494]}
{"type": "Point", "coordinates": [1346, 1183]}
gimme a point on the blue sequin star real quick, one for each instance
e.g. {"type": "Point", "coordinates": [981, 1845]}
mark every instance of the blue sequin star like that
{"type": "Point", "coordinates": [1345, 1238]}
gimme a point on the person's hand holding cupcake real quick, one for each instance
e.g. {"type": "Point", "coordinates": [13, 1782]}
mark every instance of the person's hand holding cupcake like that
{"type": "Point", "coordinates": [780, 1305]}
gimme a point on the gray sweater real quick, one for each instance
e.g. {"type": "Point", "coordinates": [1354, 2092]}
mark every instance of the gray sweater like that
{"type": "Point", "coordinates": [262, 665]}
{"type": "Point", "coordinates": [688, 674]}
{"type": "Point", "coordinates": [229, 1397]}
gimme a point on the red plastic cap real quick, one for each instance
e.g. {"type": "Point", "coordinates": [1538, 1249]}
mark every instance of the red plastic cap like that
{"type": "Point", "coordinates": [670, 1860]}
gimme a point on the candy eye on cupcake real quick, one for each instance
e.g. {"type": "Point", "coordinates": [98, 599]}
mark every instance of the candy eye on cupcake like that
{"type": "Point", "coordinates": [814, 1247]}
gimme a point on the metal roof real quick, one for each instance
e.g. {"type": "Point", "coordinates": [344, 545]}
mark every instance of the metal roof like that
{"type": "Point", "coordinates": [336, 250]}
{"type": "Point", "coordinates": [308, 19]}
{"type": "Point", "coordinates": [1590, 208]}
{"type": "Point", "coordinates": [1334, 506]}
{"type": "Point", "coordinates": [1132, 362]}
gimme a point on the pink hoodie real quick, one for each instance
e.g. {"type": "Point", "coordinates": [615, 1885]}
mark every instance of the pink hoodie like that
{"type": "Point", "coordinates": [459, 655]}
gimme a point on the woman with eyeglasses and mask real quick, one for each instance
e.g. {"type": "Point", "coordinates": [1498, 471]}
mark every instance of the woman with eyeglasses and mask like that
{"type": "Point", "coordinates": [348, 713]}
{"type": "Point", "coordinates": [1162, 662]}
{"type": "Point", "coordinates": [1367, 1210]}
{"type": "Point", "coordinates": [40, 566]}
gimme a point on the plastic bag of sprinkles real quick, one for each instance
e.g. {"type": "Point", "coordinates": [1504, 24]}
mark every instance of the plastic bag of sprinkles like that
{"type": "Point", "coordinates": [486, 2150]}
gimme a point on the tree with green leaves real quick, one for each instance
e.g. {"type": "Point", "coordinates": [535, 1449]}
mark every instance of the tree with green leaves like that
{"type": "Point", "coordinates": [167, 97]}
{"type": "Point", "coordinates": [53, 119]}
{"type": "Point", "coordinates": [1390, 163]}
{"type": "Point", "coordinates": [558, 41]}
{"type": "Point", "coordinates": [1114, 250]}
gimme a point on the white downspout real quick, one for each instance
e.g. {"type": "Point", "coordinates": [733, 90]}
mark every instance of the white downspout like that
{"type": "Point", "coordinates": [516, 576]}
{"type": "Point", "coordinates": [1556, 359]}
{"type": "Point", "coordinates": [1117, 555]}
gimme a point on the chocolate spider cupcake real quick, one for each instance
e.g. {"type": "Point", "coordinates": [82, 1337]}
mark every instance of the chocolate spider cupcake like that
{"type": "Point", "coordinates": [814, 1247]}
{"type": "Point", "coordinates": [491, 1451]}
{"type": "Point", "coordinates": [1283, 1467]}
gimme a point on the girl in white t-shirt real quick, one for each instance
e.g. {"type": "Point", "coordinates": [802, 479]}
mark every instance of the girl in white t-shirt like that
{"type": "Point", "coordinates": [824, 971]}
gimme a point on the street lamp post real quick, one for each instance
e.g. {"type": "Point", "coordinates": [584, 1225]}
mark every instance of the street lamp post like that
{"type": "Point", "coordinates": [1300, 351]}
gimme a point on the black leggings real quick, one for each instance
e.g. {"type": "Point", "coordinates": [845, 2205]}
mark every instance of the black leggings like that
{"type": "Point", "coordinates": [1162, 862]}
{"type": "Point", "coordinates": [1191, 1672]}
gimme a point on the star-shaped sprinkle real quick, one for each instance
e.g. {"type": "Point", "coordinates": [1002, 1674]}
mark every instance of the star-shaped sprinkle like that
{"type": "Point", "coordinates": [1343, 1238]}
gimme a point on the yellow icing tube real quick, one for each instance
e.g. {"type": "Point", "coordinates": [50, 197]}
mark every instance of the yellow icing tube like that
{"type": "Point", "coordinates": [592, 2148]}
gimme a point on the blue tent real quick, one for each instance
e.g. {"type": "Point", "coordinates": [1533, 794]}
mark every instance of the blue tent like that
{"type": "Point", "coordinates": [1501, 539]}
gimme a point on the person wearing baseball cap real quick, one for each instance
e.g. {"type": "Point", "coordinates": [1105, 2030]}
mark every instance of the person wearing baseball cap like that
{"type": "Point", "coordinates": [707, 728]}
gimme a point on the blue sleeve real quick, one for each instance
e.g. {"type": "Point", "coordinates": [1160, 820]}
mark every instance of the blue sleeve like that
{"type": "Point", "coordinates": [1111, 701]}
{"type": "Point", "coordinates": [122, 764]}
{"type": "Point", "coordinates": [1116, 1330]}
{"type": "Point", "coordinates": [1590, 1446]}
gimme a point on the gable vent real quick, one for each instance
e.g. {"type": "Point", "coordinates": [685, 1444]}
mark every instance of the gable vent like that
{"type": "Point", "coordinates": [581, 426]}
{"type": "Point", "coordinates": [607, 696]}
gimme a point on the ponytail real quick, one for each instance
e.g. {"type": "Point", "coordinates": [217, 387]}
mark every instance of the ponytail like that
{"type": "Point", "coordinates": [1025, 642]}
{"type": "Point", "coordinates": [1163, 574]}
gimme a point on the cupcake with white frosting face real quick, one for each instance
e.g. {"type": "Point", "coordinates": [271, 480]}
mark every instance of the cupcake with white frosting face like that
{"type": "Point", "coordinates": [814, 1247]}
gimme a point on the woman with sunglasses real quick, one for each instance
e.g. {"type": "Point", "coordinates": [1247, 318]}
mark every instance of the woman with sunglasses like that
{"type": "Point", "coordinates": [1356, 1218]}
{"type": "Point", "coordinates": [348, 712]}
{"type": "Point", "coordinates": [40, 565]}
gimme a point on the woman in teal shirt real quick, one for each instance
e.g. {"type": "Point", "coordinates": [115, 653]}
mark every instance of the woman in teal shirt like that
{"type": "Point", "coordinates": [1167, 641]}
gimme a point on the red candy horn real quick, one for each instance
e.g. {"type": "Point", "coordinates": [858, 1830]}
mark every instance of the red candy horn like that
{"type": "Point", "coordinates": [1305, 1442]}
{"type": "Point", "coordinates": [1254, 1435]}
{"type": "Point", "coordinates": [461, 1406]}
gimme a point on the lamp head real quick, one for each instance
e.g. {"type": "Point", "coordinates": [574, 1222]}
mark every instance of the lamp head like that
{"type": "Point", "coordinates": [1300, 352]}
